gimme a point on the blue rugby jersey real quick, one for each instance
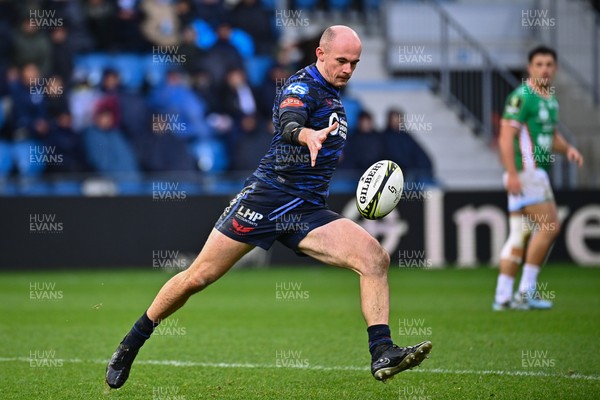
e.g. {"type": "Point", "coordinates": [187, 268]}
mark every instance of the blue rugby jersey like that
{"type": "Point", "coordinates": [287, 166]}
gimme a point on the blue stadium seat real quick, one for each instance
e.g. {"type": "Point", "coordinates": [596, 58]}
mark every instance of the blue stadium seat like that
{"type": "Point", "coordinates": [91, 66]}
{"type": "Point", "coordinates": [305, 4]}
{"type": "Point", "coordinates": [257, 68]}
{"type": "Point", "coordinates": [205, 35]}
{"type": "Point", "coordinates": [268, 4]}
{"type": "Point", "coordinates": [5, 158]}
{"type": "Point", "coordinates": [66, 188]}
{"type": "Point", "coordinates": [34, 188]}
{"type": "Point", "coordinates": [372, 4]}
{"type": "Point", "coordinates": [154, 72]}
{"type": "Point", "coordinates": [243, 42]}
{"type": "Point", "coordinates": [131, 70]}
{"type": "Point", "coordinates": [210, 154]}
{"type": "Point", "coordinates": [22, 156]}
{"type": "Point", "coordinates": [340, 5]}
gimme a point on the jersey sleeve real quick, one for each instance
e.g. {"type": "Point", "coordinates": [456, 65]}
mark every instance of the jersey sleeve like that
{"type": "Point", "coordinates": [296, 98]}
{"type": "Point", "coordinates": [515, 110]}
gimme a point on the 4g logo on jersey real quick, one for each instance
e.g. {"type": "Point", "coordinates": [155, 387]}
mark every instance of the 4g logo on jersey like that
{"type": "Point", "coordinates": [342, 128]}
{"type": "Point", "coordinates": [298, 88]}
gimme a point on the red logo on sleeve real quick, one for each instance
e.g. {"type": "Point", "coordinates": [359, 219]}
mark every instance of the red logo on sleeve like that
{"type": "Point", "coordinates": [291, 102]}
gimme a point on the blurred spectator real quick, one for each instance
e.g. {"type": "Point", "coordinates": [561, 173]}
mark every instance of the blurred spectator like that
{"type": "Point", "coordinates": [254, 141]}
{"type": "Point", "coordinates": [211, 11]}
{"type": "Point", "coordinates": [364, 147]}
{"type": "Point", "coordinates": [67, 143]}
{"type": "Point", "coordinates": [129, 36]}
{"type": "Point", "coordinates": [28, 102]}
{"type": "Point", "coordinates": [194, 55]}
{"type": "Point", "coordinates": [56, 98]}
{"type": "Point", "coordinates": [110, 88]}
{"type": "Point", "coordinates": [6, 33]}
{"type": "Point", "coordinates": [27, 123]}
{"type": "Point", "coordinates": [353, 107]}
{"type": "Point", "coordinates": [62, 53]}
{"type": "Point", "coordinates": [160, 25]}
{"type": "Point", "coordinates": [32, 46]}
{"type": "Point", "coordinates": [102, 23]}
{"type": "Point", "coordinates": [107, 149]}
{"type": "Point", "coordinates": [175, 100]}
{"type": "Point", "coordinates": [268, 90]}
{"type": "Point", "coordinates": [223, 56]}
{"type": "Point", "coordinates": [402, 148]}
{"type": "Point", "coordinates": [185, 11]}
{"type": "Point", "coordinates": [82, 98]}
{"type": "Point", "coordinates": [251, 17]}
{"type": "Point", "coordinates": [203, 86]}
{"type": "Point", "coordinates": [237, 98]}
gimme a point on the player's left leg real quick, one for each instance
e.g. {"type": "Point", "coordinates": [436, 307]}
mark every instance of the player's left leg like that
{"type": "Point", "coordinates": [343, 243]}
{"type": "Point", "coordinates": [547, 227]}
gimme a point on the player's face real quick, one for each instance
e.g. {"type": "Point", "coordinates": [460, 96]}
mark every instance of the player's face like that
{"type": "Point", "coordinates": [339, 60]}
{"type": "Point", "coordinates": [541, 70]}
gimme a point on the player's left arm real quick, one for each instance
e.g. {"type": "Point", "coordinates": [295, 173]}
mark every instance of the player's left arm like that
{"type": "Point", "coordinates": [560, 145]}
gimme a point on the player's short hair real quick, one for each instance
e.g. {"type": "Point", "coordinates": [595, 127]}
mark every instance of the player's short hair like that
{"type": "Point", "coordinates": [541, 50]}
{"type": "Point", "coordinates": [327, 38]}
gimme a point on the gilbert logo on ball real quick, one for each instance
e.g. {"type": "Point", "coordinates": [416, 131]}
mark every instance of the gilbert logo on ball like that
{"type": "Point", "coordinates": [379, 189]}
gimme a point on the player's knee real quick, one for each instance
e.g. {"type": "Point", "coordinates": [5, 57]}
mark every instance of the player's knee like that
{"type": "Point", "coordinates": [519, 230]}
{"type": "Point", "coordinates": [376, 260]}
{"type": "Point", "coordinates": [198, 280]}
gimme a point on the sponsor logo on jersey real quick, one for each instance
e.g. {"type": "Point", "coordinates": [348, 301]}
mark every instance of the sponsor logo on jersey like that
{"type": "Point", "coordinates": [298, 88]}
{"type": "Point", "coordinates": [291, 102]}
{"type": "Point", "coordinates": [514, 105]}
{"type": "Point", "coordinates": [342, 128]}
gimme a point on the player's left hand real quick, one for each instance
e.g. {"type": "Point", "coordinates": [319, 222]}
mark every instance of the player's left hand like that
{"type": "Point", "coordinates": [575, 156]}
{"type": "Point", "coordinates": [314, 140]}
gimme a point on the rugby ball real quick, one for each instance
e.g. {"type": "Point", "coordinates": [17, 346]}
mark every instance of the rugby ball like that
{"type": "Point", "coordinates": [379, 189]}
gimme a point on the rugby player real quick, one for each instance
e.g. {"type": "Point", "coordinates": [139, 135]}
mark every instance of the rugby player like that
{"type": "Point", "coordinates": [293, 180]}
{"type": "Point", "coordinates": [528, 136]}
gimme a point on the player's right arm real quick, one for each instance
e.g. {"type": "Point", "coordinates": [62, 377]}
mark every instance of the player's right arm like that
{"type": "Point", "coordinates": [314, 140]}
{"type": "Point", "coordinates": [513, 118]}
{"type": "Point", "coordinates": [507, 155]}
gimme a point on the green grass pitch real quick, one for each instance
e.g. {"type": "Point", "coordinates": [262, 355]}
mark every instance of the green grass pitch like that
{"type": "Point", "coordinates": [297, 333]}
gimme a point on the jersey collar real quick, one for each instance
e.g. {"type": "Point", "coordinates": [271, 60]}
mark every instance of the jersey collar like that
{"type": "Point", "coordinates": [314, 72]}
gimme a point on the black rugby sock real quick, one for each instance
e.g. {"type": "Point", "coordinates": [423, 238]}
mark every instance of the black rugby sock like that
{"type": "Point", "coordinates": [140, 332]}
{"type": "Point", "coordinates": [379, 337]}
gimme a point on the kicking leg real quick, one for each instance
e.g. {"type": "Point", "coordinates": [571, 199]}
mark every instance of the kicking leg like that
{"type": "Point", "coordinates": [343, 243]}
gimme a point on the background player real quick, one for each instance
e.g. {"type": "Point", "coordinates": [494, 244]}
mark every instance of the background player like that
{"type": "Point", "coordinates": [293, 179]}
{"type": "Point", "coordinates": [528, 136]}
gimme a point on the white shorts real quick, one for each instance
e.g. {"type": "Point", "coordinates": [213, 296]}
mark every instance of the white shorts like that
{"type": "Point", "coordinates": [535, 188]}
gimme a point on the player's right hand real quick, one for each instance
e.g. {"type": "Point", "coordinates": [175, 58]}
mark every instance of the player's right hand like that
{"type": "Point", "coordinates": [314, 140]}
{"type": "Point", "coordinates": [513, 184]}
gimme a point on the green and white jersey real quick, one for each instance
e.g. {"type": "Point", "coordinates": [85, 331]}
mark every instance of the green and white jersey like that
{"type": "Point", "coordinates": [536, 117]}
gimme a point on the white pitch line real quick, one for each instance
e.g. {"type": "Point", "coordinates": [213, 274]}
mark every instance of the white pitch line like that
{"type": "Point", "coordinates": [175, 363]}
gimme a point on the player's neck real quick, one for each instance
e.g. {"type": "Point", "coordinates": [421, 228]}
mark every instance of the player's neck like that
{"type": "Point", "coordinates": [542, 91]}
{"type": "Point", "coordinates": [320, 68]}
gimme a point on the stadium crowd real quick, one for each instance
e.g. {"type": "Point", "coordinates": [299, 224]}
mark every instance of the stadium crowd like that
{"type": "Point", "coordinates": [137, 86]}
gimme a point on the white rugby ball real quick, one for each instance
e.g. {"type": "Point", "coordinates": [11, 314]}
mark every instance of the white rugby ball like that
{"type": "Point", "coordinates": [379, 189]}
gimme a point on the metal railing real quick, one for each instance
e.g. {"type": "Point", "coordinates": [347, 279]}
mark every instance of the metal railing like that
{"type": "Point", "coordinates": [479, 93]}
{"type": "Point", "coordinates": [576, 39]}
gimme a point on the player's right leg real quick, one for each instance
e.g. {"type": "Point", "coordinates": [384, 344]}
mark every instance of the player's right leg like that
{"type": "Point", "coordinates": [216, 258]}
{"type": "Point", "coordinates": [511, 257]}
